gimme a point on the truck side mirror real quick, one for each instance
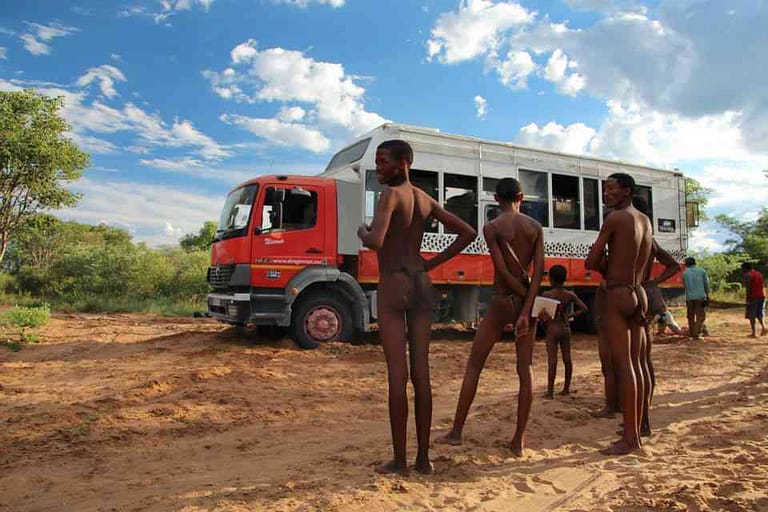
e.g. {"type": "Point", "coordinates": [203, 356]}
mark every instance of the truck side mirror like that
{"type": "Point", "coordinates": [692, 214]}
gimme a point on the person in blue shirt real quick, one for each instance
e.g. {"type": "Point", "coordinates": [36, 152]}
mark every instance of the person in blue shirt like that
{"type": "Point", "coordinates": [696, 296]}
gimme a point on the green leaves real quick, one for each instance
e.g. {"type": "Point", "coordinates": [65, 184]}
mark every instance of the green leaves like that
{"type": "Point", "coordinates": [36, 159]}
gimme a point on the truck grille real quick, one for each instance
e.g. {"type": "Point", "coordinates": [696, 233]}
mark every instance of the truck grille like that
{"type": "Point", "coordinates": [219, 275]}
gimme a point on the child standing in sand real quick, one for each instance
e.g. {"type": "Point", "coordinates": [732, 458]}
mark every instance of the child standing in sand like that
{"type": "Point", "coordinates": [558, 328]}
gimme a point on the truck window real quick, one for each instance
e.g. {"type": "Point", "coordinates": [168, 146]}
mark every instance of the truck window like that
{"type": "Point", "coordinates": [591, 205]}
{"type": "Point", "coordinates": [566, 207]}
{"type": "Point", "coordinates": [535, 195]}
{"type": "Point", "coordinates": [297, 211]}
{"type": "Point", "coordinates": [348, 155]}
{"type": "Point", "coordinates": [642, 191]}
{"type": "Point", "coordinates": [236, 213]}
{"type": "Point", "coordinates": [460, 196]}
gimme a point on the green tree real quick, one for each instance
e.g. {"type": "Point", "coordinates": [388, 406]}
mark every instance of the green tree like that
{"type": "Point", "coordinates": [751, 237]}
{"type": "Point", "coordinates": [200, 241]}
{"type": "Point", "coordinates": [36, 158]}
{"type": "Point", "coordinates": [695, 192]}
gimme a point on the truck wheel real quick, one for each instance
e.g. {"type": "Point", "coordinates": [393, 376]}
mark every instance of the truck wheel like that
{"type": "Point", "coordinates": [319, 318]}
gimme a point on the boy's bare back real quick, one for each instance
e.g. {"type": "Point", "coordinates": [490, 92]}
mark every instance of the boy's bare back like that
{"type": "Point", "coordinates": [402, 243]}
{"type": "Point", "coordinates": [630, 243]}
{"type": "Point", "coordinates": [521, 233]}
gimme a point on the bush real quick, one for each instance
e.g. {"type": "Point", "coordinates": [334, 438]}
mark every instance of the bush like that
{"type": "Point", "coordinates": [27, 317]}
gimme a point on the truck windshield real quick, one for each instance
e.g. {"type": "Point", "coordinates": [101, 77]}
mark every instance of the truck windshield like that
{"type": "Point", "coordinates": [236, 212]}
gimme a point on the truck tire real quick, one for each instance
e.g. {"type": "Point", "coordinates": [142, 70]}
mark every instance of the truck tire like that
{"type": "Point", "coordinates": [321, 317]}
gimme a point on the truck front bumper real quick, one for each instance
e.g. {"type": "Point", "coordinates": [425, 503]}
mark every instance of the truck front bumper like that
{"type": "Point", "coordinates": [230, 308]}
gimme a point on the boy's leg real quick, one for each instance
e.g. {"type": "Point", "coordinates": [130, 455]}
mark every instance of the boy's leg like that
{"type": "Point", "coordinates": [551, 363]}
{"type": "Point", "coordinates": [690, 309]}
{"type": "Point", "coordinates": [393, 341]}
{"type": "Point", "coordinates": [609, 376]}
{"type": "Point", "coordinates": [618, 331]}
{"type": "Point", "coordinates": [701, 317]}
{"type": "Point", "coordinates": [644, 419]}
{"type": "Point", "coordinates": [419, 334]}
{"type": "Point", "coordinates": [565, 347]}
{"type": "Point", "coordinates": [488, 333]}
{"type": "Point", "coordinates": [524, 349]}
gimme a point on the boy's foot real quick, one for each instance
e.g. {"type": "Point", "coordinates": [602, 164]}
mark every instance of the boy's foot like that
{"type": "Point", "coordinates": [644, 432]}
{"type": "Point", "coordinates": [753, 335]}
{"type": "Point", "coordinates": [605, 412]}
{"type": "Point", "coordinates": [763, 332]}
{"type": "Point", "coordinates": [565, 392]}
{"type": "Point", "coordinates": [451, 438]}
{"type": "Point", "coordinates": [517, 447]}
{"type": "Point", "coordinates": [392, 468]}
{"type": "Point", "coordinates": [619, 447]}
{"type": "Point", "coordinates": [548, 395]}
{"type": "Point", "coordinates": [424, 466]}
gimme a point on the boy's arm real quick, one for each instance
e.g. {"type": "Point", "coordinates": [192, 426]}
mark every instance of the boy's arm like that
{"type": "Point", "coordinates": [499, 263]}
{"type": "Point", "coordinates": [706, 284]}
{"type": "Point", "coordinates": [373, 237]}
{"type": "Point", "coordinates": [466, 233]}
{"type": "Point", "coordinates": [671, 266]}
{"type": "Point", "coordinates": [581, 308]}
{"type": "Point", "coordinates": [522, 324]}
{"type": "Point", "coordinates": [596, 258]}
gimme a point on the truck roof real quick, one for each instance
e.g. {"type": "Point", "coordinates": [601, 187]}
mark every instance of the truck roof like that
{"type": "Point", "coordinates": [299, 179]}
{"type": "Point", "coordinates": [405, 129]}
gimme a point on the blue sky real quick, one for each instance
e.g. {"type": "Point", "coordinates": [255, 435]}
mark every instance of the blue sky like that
{"type": "Point", "coordinates": [179, 100]}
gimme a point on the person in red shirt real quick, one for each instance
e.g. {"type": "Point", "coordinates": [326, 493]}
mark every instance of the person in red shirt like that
{"type": "Point", "coordinates": [755, 285]}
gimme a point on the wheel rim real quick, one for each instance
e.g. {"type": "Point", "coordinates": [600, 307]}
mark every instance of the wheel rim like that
{"type": "Point", "coordinates": [323, 323]}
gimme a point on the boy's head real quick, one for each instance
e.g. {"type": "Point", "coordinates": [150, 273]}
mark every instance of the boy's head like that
{"type": "Point", "coordinates": [393, 160]}
{"type": "Point", "coordinates": [618, 188]}
{"type": "Point", "coordinates": [690, 262]}
{"type": "Point", "coordinates": [746, 267]}
{"type": "Point", "coordinates": [508, 190]}
{"type": "Point", "coordinates": [557, 275]}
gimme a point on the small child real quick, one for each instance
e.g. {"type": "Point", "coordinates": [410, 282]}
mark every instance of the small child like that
{"type": "Point", "coordinates": [558, 329]}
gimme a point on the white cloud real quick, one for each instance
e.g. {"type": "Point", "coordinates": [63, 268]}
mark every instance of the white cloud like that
{"type": "Point", "coordinates": [146, 210]}
{"type": "Point", "coordinates": [282, 133]}
{"type": "Point", "coordinates": [3, 52]}
{"type": "Point", "coordinates": [481, 107]}
{"type": "Point", "coordinates": [151, 131]}
{"type": "Point", "coordinates": [556, 71]}
{"type": "Point", "coordinates": [575, 138]}
{"type": "Point", "coordinates": [332, 103]}
{"type": "Point", "coordinates": [514, 71]}
{"type": "Point", "coordinates": [105, 75]}
{"type": "Point", "coordinates": [306, 3]}
{"type": "Point", "coordinates": [686, 58]}
{"type": "Point", "coordinates": [709, 237]}
{"type": "Point", "coordinates": [475, 29]}
{"type": "Point", "coordinates": [178, 164]}
{"type": "Point", "coordinates": [35, 41]}
{"type": "Point", "coordinates": [34, 46]}
{"type": "Point", "coordinates": [291, 114]}
{"type": "Point", "coordinates": [115, 57]}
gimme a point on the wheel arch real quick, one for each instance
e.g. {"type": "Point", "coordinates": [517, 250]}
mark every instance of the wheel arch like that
{"type": "Point", "coordinates": [317, 277]}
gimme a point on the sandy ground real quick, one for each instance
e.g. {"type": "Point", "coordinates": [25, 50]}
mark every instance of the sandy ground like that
{"type": "Point", "coordinates": [129, 412]}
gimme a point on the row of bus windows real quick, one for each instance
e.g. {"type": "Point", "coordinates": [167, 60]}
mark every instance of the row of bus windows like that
{"type": "Point", "coordinates": [461, 198]}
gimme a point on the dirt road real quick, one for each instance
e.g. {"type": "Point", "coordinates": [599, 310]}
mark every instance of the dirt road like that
{"type": "Point", "coordinates": [129, 412]}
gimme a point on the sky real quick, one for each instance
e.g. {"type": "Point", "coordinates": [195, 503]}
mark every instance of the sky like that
{"type": "Point", "coordinates": [178, 101]}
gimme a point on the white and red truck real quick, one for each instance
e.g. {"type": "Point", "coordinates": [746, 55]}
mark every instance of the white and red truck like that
{"type": "Point", "coordinates": [286, 254]}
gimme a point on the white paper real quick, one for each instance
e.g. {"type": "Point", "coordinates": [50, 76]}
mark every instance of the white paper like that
{"type": "Point", "coordinates": [544, 304]}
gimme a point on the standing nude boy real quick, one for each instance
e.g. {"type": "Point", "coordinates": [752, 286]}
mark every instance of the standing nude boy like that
{"type": "Point", "coordinates": [651, 286]}
{"type": "Point", "coordinates": [514, 241]}
{"type": "Point", "coordinates": [622, 252]}
{"type": "Point", "coordinates": [405, 293]}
